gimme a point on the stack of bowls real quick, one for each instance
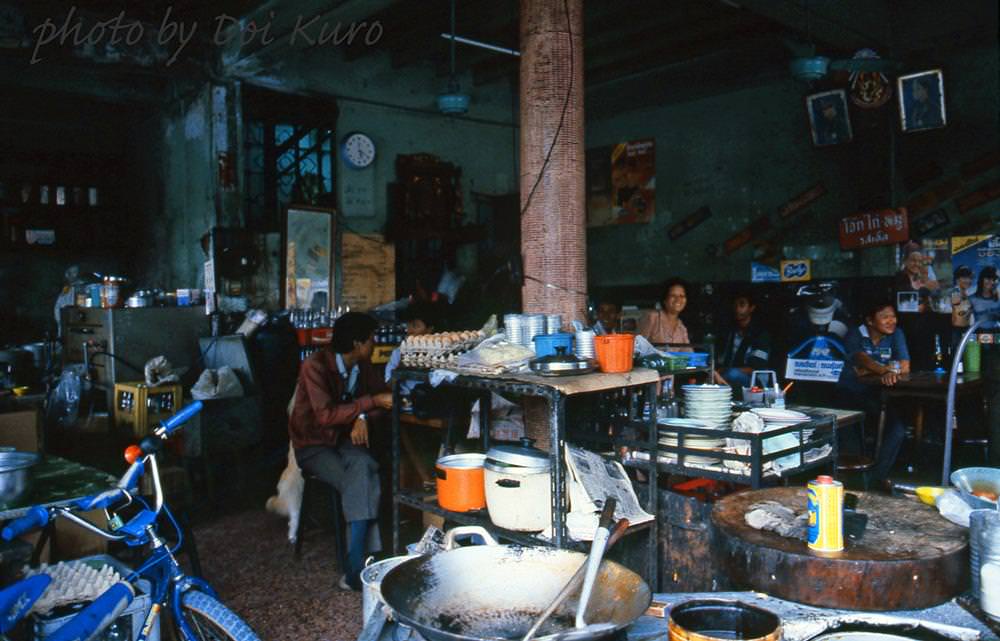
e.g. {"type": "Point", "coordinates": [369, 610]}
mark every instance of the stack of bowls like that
{"type": "Point", "coordinates": [534, 325]}
{"type": "Point", "coordinates": [585, 344]}
{"type": "Point", "coordinates": [710, 403]}
{"type": "Point", "coordinates": [553, 323]}
{"type": "Point", "coordinates": [513, 328]}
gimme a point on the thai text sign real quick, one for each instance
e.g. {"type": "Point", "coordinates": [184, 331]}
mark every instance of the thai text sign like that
{"type": "Point", "coordinates": [883, 227]}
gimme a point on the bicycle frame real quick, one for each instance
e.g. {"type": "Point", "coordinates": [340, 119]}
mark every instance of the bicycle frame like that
{"type": "Point", "coordinates": [169, 582]}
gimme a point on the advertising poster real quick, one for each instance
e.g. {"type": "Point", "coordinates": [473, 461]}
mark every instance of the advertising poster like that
{"type": "Point", "coordinates": [796, 271]}
{"type": "Point", "coordinates": [975, 252]}
{"type": "Point", "coordinates": [819, 358]}
{"type": "Point", "coordinates": [633, 182]}
{"type": "Point", "coordinates": [598, 178]}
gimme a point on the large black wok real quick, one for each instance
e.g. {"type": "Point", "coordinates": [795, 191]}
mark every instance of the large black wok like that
{"type": "Point", "coordinates": [497, 591]}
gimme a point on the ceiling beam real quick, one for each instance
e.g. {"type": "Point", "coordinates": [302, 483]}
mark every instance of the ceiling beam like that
{"type": "Point", "coordinates": [843, 25]}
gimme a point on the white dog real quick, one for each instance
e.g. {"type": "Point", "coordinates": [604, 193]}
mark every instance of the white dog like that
{"type": "Point", "coordinates": [288, 500]}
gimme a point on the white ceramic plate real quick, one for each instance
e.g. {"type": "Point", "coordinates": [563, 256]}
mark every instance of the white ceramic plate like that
{"type": "Point", "coordinates": [772, 414]}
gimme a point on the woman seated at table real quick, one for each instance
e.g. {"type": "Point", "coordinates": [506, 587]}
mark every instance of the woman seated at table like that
{"type": "Point", "coordinates": [876, 353]}
{"type": "Point", "coordinates": [665, 325]}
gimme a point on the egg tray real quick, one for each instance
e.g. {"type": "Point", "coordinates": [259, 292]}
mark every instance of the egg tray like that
{"type": "Point", "coordinates": [72, 582]}
{"type": "Point", "coordinates": [441, 344]}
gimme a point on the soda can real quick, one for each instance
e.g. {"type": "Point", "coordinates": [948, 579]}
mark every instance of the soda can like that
{"type": "Point", "coordinates": [826, 514]}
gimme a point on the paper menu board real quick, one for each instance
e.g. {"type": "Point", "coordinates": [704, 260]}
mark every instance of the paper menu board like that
{"type": "Point", "coordinates": [368, 266]}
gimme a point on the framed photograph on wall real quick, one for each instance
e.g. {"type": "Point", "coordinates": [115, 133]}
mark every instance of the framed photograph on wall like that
{"type": "Point", "coordinates": [921, 100]}
{"type": "Point", "coordinates": [828, 118]}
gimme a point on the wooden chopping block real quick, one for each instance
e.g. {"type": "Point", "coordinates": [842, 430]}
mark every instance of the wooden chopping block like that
{"type": "Point", "coordinates": [909, 557]}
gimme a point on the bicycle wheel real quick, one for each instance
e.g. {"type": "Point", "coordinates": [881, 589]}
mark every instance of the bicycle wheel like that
{"type": "Point", "coordinates": [209, 620]}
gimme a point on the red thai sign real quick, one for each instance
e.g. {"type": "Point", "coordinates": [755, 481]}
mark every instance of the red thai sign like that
{"type": "Point", "coordinates": [871, 229]}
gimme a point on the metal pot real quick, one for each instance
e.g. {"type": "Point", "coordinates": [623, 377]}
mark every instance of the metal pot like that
{"type": "Point", "coordinates": [15, 474]}
{"type": "Point", "coordinates": [371, 584]}
{"type": "Point", "coordinates": [562, 363]}
{"type": "Point", "coordinates": [498, 591]}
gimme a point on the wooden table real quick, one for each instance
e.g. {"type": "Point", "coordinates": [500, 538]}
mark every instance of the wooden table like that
{"type": "Point", "coordinates": [908, 557]}
{"type": "Point", "coordinates": [924, 386]}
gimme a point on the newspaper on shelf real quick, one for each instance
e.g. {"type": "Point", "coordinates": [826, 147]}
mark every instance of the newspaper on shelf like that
{"type": "Point", "coordinates": [591, 479]}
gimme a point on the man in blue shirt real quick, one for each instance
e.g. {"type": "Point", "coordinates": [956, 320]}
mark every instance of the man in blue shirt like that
{"type": "Point", "coordinates": [877, 348]}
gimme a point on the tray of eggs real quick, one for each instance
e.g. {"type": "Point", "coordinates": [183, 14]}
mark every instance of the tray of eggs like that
{"type": "Point", "coordinates": [435, 350]}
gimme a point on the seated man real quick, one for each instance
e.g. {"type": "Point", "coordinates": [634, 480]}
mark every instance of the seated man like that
{"type": "Point", "coordinates": [745, 347]}
{"type": "Point", "coordinates": [609, 316]}
{"type": "Point", "coordinates": [876, 349]}
{"type": "Point", "coordinates": [338, 391]}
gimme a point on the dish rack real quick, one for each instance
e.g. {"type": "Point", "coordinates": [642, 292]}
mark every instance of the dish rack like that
{"type": "Point", "coordinates": [745, 459]}
{"type": "Point", "coordinates": [438, 350]}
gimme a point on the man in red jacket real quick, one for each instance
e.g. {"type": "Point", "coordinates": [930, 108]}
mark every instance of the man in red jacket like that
{"type": "Point", "coordinates": [338, 394]}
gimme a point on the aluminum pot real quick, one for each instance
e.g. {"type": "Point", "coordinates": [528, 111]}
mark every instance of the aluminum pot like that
{"type": "Point", "coordinates": [15, 474]}
{"type": "Point", "coordinates": [498, 591]}
{"type": "Point", "coordinates": [371, 584]}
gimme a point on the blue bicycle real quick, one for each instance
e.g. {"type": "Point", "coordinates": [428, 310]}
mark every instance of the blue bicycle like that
{"type": "Point", "coordinates": [197, 613]}
{"type": "Point", "coordinates": [16, 600]}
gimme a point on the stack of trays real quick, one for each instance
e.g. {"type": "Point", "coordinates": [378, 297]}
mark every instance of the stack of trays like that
{"type": "Point", "coordinates": [585, 344]}
{"type": "Point", "coordinates": [533, 325]}
{"type": "Point", "coordinates": [778, 418]}
{"type": "Point", "coordinates": [702, 442]}
{"type": "Point", "coordinates": [513, 327]}
{"type": "Point", "coordinates": [712, 404]}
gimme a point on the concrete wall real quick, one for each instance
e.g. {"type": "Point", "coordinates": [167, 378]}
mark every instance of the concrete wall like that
{"type": "Point", "coordinates": [745, 153]}
{"type": "Point", "coordinates": [178, 175]}
{"type": "Point", "coordinates": [396, 108]}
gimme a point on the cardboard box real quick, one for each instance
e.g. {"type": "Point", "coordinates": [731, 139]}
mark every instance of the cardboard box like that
{"type": "Point", "coordinates": [21, 430]}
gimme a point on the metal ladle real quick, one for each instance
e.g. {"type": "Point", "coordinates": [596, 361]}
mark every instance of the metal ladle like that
{"type": "Point", "coordinates": [603, 540]}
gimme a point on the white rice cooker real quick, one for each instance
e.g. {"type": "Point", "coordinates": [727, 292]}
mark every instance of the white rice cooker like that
{"type": "Point", "coordinates": [518, 487]}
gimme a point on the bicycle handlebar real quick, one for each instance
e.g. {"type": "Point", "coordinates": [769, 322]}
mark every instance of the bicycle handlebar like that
{"type": "Point", "coordinates": [36, 517]}
{"type": "Point", "coordinates": [183, 416]}
{"type": "Point", "coordinates": [98, 615]}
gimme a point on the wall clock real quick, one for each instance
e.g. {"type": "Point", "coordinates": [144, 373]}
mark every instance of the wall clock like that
{"type": "Point", "coordinates": [358, 150]}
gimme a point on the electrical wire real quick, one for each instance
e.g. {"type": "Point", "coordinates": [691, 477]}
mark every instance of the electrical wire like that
{"type": "Point", "coordinates": [562, 116]}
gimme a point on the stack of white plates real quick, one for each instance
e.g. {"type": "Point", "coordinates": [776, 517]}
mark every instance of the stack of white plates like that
{"type": "Point", "coordinates": [777, 418]}
{"type": "Point", "coordinates": [534, 325]}
{"type": "Point", "coordinates": [553, 323]}
{"type": "Point", "coordinates": [585, 344]}
{"type": "Point", "coordinates": [710, 403]}
{"type": "Point", "coordinates": [513, 327]}
{"type": "Point", "coordinates": [706, 442]}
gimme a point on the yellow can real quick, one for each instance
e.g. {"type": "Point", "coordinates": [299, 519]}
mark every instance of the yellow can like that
{"type": "Point", "coordinates": [826, 514]}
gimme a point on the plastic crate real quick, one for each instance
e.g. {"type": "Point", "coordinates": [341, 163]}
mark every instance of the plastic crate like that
{"type": "Point", "coordinates": [131, 619]}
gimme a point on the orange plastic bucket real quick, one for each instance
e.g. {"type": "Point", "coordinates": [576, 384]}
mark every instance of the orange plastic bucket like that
{"type": "Point", "coordinates": [614, 352]}
{"type": "Point", "coordinates": [460, 485]}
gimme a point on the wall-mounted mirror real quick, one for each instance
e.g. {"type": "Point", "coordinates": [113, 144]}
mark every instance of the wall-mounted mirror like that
{"type": "Point", "coordinates": [309, 236]}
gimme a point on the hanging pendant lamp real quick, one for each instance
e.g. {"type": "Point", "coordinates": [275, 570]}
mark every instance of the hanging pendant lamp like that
{"type": "Point", "coordinates": [453, 102]}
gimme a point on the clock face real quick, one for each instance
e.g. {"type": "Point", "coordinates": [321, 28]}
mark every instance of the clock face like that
{"type": "Point", "coordinates": [358, 150]}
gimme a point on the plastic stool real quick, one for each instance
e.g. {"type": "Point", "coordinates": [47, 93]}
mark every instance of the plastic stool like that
{"type": "Point", "coordinates": [314, 484]}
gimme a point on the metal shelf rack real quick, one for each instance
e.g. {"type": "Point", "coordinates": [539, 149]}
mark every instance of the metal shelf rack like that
{"type": "Point", "coordinates": [824, 434]}
{"type": "Point", "coordinates": [556, 392]}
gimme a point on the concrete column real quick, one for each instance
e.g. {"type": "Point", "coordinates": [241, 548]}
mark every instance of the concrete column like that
{"type": "Point", "coordinates": [553, 228]}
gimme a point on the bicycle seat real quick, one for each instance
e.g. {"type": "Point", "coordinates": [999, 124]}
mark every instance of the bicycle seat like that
{"type": "Point", "coordinates": [17, 599]}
